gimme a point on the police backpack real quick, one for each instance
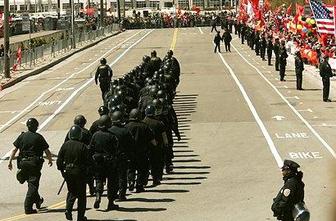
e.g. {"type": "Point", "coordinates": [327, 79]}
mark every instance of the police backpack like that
{"type": "Point", "coordinates": [300, 212]}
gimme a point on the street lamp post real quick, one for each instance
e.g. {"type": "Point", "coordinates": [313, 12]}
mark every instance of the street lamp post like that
{"type": "Point", "coordinates": [73, 42]}
{"type": "Point", "coordinates": [101, 13]}
{"type": "Point", "coordinates": [6, 38]}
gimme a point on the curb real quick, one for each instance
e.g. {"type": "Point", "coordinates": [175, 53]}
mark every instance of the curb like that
{"type": "Point", "coordinates": [45, 67]}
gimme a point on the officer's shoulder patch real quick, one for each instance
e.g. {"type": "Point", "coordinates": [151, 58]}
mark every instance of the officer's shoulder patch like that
{"type": "Point", "coordinates": [286, 192]}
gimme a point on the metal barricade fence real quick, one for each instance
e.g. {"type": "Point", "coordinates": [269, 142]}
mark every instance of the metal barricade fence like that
{"type": "Point", "coordinates": [34, 56]}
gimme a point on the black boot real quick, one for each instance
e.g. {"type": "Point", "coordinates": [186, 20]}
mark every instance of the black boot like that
{"type": "Point", "coordinates": [97, 202]}
{"type": "Point", "coordinates": [111, 206]}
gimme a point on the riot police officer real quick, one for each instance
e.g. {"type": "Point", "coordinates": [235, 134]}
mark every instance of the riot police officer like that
{"type": "Point", "coordinates": [104, 74]}
{"type": "Point", "coordinates": [73, 161]}
{"type": "Point", "coordinates": [156, 153]}
{"type": "Point", "coordinates": [31, 146]}
{"type": "Point", "coordinates": [227, 39]}
{"type": "Point", "coordinates": [326, 74]}
{"type": "Point", "coordinates": [86, 139]}
{"type": "Point", "coordinates": [125, 152]}
{"type": "Point", "coordinates": [299, 67]}
{"type": "Point", "coordinates": [104, 146]}
{"type": "Point", "coordinates": [290, 194]}
{"type": "Point", "coordinates": [143, 140]}
{"type": "Point", "coordinates": [102, 110]}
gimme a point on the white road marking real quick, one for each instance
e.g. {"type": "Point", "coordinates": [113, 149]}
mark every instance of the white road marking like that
{"type": "Point", "coordinates": [49, 103]}
{"type": "Point", "coordinates": [74, 93]}
{"type": "Point", "coordinates": [12, 120]}
{"type": "Point", "coordinates": [308, 110]}
{"type": "Point", "coordinates": [305, 155]}
{"type": "Point", "coordinates": [317, 135]}
{"type": "Point", "coordinates": [255, 115]}
{"type": "Point", "coordinates": [9, 112]}
{"type": "Point", "coordinates": [295, 97]}
{"type": "Point", "coordinates": [295, 135]}
{"type": "Point", "coordinates": [278, 118]}
{"type": "Point", "coordinates": [325, 125]}
{"type": "Point", "coordinates": [200, 29]}
{"type": "Point", "coordinates": [65, 89]}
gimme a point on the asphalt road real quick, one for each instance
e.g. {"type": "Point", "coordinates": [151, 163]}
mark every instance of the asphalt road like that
{"type": "Point", "coordinates": [237, 119]}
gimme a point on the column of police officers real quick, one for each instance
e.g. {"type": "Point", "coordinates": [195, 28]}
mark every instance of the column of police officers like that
{"type": "Point", "coordinates": [131, 139]}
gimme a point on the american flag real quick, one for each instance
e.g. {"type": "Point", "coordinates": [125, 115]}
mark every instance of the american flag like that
{"type": "Point", "coordinates": [324, 16]}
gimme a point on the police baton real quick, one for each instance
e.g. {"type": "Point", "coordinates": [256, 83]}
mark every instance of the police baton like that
{"type": "Point", "coordinates": [60, 189]}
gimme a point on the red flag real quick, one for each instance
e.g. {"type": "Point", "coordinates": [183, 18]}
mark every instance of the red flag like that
{"type": "Point", "coordinates": [289, 9]}
{"type": "Point", "coordinates": [19, 55]}
{"type": "Point", "coordinates": [299, 9]}
{"type": "Point", "coordinates": [267, 5]}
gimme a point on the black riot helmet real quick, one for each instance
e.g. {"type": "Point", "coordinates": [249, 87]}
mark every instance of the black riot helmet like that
{"type": "Point", "coordinates": [160, 94]}
{"type": "Point", "coordinates": [134, 114]}
{"type": "Point", "coordinates": [153, 53]}
{"type": "Point", "coordinates": [103, 110]}
{"type": "Point", "coordinates": [103, 61]}
{"type": "Point", "coordinates": [104, 122]}
{"type": "Point", "coordinates": [158, 106]}
{"type": "Point", "coordinates": [146, 59]}
{"type": "Point", "coordinates": [117, 117]}
{"type": "Point", "coordinates": [80, 120]}
{"type": "Point", "coordinates": [32, 124]}
{"type": "Point", "coordinates": [75, 133]}
{"type": "Point", "coordinates": [150, 111]}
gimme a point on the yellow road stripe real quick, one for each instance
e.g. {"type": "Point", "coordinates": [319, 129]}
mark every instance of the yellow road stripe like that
{"type": "Point", "coordinates": [22, 216]}
{"type": "Point", "coordinates": [172, 46]}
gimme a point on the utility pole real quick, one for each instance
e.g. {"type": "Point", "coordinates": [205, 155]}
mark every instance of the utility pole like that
{"type": "Point", "coordinates": [73, 42]}
{"type": "Point", "coordinates": [58, 9]}
{"type": "Point", "coordinates": [101, 13]}
{"type": "Point", "coordinates": [118, 6]}
{"type": "Point", "coordinates": [6, 38]}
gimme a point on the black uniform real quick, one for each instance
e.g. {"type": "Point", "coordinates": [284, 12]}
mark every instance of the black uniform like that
{"type": "Point", "coordinates": [104, 75]}
{"type": "Point", "coordinates": [326, 74]}
{"type": "Point", "coordinates": [156, 156]}
{"type": "Point", "coordinates": [142, 136]}
{"type": "Point", "coordinates": [217, 41]}
{"type": "Point", "coordinates": [276, 49]}
{"type": "Point", "coordinates": [257, 44]}
{"type": "Point", "coordinates": [227, 39]}
{"type": "Point", "coordinates": [242, 33]}
{"type": "Point", "coordinates": [124, 156]}
{"type": "Point", "coordinates": [263, 46]}
{"type": "Point", "coordinates": [290, 194]}
{"type": "Point", "coordinates": [94, 127]}
{"type": "Point", "coordinates": [269, 51]}
{"type": "Point", "coordinates": [30, 160]}
{"type": "Point", "coordinates": [104, 146]}
{"type": "Point", "coordinates": [283, 62]}
{"type": "Point", "coordinates": [299, 67]}
{"type": "Point", "coordinates": [73, 161]}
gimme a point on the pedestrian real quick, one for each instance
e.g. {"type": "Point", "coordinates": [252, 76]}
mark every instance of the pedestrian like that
{"type": "Point", "coordinates": [227, 39]}
{"type": "Point", "coordinates": [242, 32]}
{"type": "Point", "coordinates": [290, 194]}
{"type": "Point", "coordinates": [104, 146]}
{"type": "Point", "coordinates": [217, 41]}
{"type": "Point", "coordinates": [31, 146]}
{"type": "Point", "coordinates": [73, 161]}
{"type": "Point", "coordinates": [104, 74]}
{"type": "Point", "coordinates": [299, 67]}
{"type": "Point", "coordinates": [276, 48]}
{"type": "Point", "coordinates": [269, 50]}
{"type": "Point", "coordinates": [263, 46]}
{"type": "Point", "coordinates": [326, 74]}
{"type": "Point", "coordinates": [283, 61]}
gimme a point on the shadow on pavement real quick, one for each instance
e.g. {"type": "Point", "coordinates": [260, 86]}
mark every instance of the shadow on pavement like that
{"type": "Point", "coordinates": [146, 200]}
{"type": "Point", "coordinates": [139, 209]}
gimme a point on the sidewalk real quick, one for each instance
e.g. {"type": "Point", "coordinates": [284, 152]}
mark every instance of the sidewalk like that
{"type": "Point", "coordinates": [48, 62]}
{"type": "Point", "coordinates": [24, 37]}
